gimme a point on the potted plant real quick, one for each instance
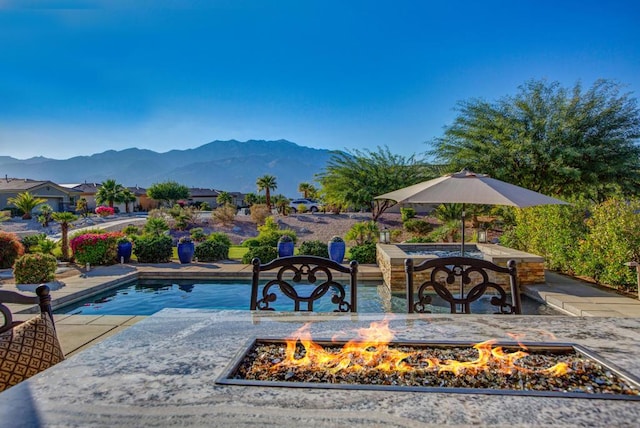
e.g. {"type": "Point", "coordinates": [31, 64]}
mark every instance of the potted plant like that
{"type": "Point", "coordinates": [125, 247]}
{"type": "Point", "coordinates": [285, 246]}
{"type": "Point", "coordinates": [186, 247]}
{"type": "Point", "coordinates": [336, 249]}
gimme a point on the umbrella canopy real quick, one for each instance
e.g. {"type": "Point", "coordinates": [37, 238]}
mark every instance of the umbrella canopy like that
{"type": "Point", "coordinates": [466, 187]}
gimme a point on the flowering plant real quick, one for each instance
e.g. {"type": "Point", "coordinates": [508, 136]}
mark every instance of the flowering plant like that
{"type": "Point", "coordinates": [95, 248]}
{"type": "Point", "coordinates": [103, 211]}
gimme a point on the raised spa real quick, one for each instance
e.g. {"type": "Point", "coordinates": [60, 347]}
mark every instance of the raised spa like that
{"type": "Point", "coordinates": [391, 257]}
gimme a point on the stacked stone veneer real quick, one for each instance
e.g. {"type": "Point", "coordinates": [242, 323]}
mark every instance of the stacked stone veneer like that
{"type": "Point", "coordinates": [390, 259]}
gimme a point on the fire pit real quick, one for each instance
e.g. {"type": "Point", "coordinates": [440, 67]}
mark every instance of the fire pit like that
{"type": "Point", "coordinates": [374, 361]}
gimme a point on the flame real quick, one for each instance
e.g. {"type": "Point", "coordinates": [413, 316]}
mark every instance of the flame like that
{"type": "Point", "coordinates": [370, 350]}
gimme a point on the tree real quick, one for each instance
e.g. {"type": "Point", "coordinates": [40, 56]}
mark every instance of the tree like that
{"type": "Point", "coordinates": [128, 197]}
{"type": "Point", "coordinates": [82, 207]}
{"type": "Point", "coordinates": [168, 192]}
{"type": "Point", "coordinates": [282, 203]}
{"type": "Point", "coordinates": [307, 190]}
{"type": "Point", "coordinates": [65, 219]}
{"type": "Point", "coordinates": [26, 202]}
{"type": "Point", "coordinates": [267, 183]}
{"type": "Point", "coordinates": [110, 192]}
{"type": "Point", "coordinates": [549, 139]}
{"type": "Point", "coordinates": [224, 198]}
{"type": "Point", "coordinates": [355, 178]}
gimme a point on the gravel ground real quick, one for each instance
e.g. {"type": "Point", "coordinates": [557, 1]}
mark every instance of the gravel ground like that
{"type": "Point", "coordinates": [307, 226]}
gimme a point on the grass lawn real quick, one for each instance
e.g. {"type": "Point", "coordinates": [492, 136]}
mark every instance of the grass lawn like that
{"type": "Point", "coordinates": [236, 252]}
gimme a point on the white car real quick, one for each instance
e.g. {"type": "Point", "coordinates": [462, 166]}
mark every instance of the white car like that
{"type": "Point", "coordinates": [309, 204]}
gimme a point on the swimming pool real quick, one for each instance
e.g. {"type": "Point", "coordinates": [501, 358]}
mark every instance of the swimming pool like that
{"type": "Point", "coordinates": [146, 297]}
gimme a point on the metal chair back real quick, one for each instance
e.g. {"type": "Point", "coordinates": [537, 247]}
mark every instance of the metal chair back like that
{"type": "Point", "coordinates": [304, 280]}
{"type": "Point", "coordinates": [460, 281]}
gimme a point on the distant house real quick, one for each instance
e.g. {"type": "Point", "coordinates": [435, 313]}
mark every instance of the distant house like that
{"type": "Point", "coordinates": [58, 197]}
{"type": "Point", "coordinates": [143, 202]}
{"type": "Point", "coordinates": [198, 195]}
{"type": "Point", "coordinates": [88, 191]}
{"type": "Point", "coordinates": [237, 199]}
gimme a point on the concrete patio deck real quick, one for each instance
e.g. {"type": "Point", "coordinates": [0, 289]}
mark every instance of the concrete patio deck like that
{"type": "Point", "coordinates": [78, 332]}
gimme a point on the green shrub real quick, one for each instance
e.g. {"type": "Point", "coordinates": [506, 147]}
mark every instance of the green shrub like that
{"type": "Point", "coordinates": [197, 234]}
{"type": "Point", "coordinates": [314, 248]}
{"type": "Point", "coordinates": [46, 245]}
{"type": "Point", "coordinates": [363, 232]}
{"type": "Point", "coordinates": [365, 253]}
{"type": "Point", "coordinates": [32, 241]}
{"type": "Point", "coordinates": [251, 242]}
{"type": "Point", "coordinates": [550, 231]}
{"type": "Point", "coordinates": [95, 248]}
{"type": "Point", "coordinates": [419, 227]}
{"type": "Point", "coordinates": [265, 254]}
{"type": "Point", "coordinates": [153, 249]}
{"type": "Point", "coordinates": [211, 251]}
{"type": "Point", "coordinates": [34, 269]}
{"type": "Point", "coordinates": [407, 213]}
{"type": "Point", "coordinates": [419, 240]}
{"type": "Point", "coordinates": [220, 237]}
{"type": "Point", "coordinates": [10, 249]}
{"type": "Point", "coordinates": [131, 229]}
{"type": "Point", "coordinates": [613, 238]}
{"type": "Point", "coordinates": [155, 226]}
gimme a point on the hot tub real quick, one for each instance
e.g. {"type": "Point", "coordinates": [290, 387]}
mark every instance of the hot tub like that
{"type": "Point", "coordinates": [391, 257]}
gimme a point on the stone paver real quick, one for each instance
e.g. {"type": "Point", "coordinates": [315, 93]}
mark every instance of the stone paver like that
{"type": "Point", "coordinates": [581, 298]}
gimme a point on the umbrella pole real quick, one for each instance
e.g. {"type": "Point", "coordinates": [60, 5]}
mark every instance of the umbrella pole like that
{"type": "Point", "coordinates": [462, 247]}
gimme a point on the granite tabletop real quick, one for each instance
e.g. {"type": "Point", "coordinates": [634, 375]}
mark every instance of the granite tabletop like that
{"type": "Point", "coordinates": [163, 370]}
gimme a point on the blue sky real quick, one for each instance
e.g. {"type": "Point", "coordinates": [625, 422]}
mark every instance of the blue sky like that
{"type": "Point", "coordinates": [79, 77]}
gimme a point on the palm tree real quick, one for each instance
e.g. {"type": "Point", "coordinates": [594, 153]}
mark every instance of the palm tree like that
{"type": "Point", "coordinates": [267, 183]}
{"type": "Point", "coordinates": [224, 198]}
{"type": "Point", "coordinates": [26, 202]}
{"type": "Point", "coordinates": [251, 198]}
{"type": "Point", "coordinates": [110, 192]}
{"type": "Point", "coordinates": [306, 189]}
{"type": "Point", "coordinates": [128, 197]}
{"type": "Point", "coordinates": [282, 203]}
{"type": "Point", "coordinates": [64, 218]}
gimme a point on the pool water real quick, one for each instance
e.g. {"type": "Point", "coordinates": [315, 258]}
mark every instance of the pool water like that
{"type": "Point", "coordinates": [446, 253]}
{"type": "Point", "coordinates": [149, 297]}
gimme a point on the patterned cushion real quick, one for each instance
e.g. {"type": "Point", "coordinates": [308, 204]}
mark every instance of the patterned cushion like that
{"type": "Point", "coordinates": [28, 349]}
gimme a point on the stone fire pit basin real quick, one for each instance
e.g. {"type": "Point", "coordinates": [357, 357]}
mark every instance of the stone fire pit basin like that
{"type": "Point", "coordinates": [231, 376]}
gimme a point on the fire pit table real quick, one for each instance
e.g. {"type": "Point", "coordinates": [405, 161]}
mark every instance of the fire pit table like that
{"type": "Point", "coordinates": [177, 368]}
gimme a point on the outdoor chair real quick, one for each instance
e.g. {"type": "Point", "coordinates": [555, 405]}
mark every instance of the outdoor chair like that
{"type": "Point", "coordinates": [304, 280]}
{"type": "Point", "coordinates": [27, 348]}
{"type": "Point", "coordinates": [460, 282]}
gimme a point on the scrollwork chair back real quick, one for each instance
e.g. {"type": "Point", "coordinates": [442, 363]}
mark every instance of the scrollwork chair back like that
{"type": "Point", "coordinates": [318, 277]}
{"type": "Point", "coordinates": [473, 278]}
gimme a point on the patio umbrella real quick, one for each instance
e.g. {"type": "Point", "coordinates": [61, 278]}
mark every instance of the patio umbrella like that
{"type": "Point", "coordinates": [466, 187]}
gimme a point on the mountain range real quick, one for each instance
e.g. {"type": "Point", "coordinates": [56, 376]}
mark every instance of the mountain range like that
{"type": "Point", "coordinates": [233, 166]}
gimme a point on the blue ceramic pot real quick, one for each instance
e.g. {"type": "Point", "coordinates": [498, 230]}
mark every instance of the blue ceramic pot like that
{"type": "Point", "coordinates": [185, 252]}
{"type": "Point", "coordinates": [124, 251]}
{"type": "Point", "coordinates": [285, 249]}
{"type": "Point", "coordinates": [336, 250]}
